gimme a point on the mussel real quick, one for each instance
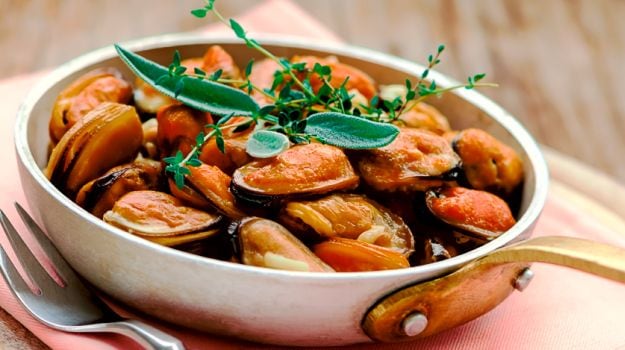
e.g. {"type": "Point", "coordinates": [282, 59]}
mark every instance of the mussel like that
{"type": "Point", "coordinates": [415, 161]}
{"type": "Point", "coordinates": [263, 242]}
{"type": "Point", "coordinates": [417, 115]}
{"type": "Point", "coordinates": [350, 255]}
{"type": "Point", "coordinates": [488, 163]}
{"type": "Point", "coordinates": [161, 218]}
{"type": "Point", "coordinates": [83, 95]}
{"type": "Point", "coordinates": [301, 171]}
{"type": "Point", "coordinates": [149, 100]}
{"type": "Point", "coordinates": [99, 195]}
{"type": "Point", "coordinates": [107, 136]}
{"type": "Point", "coordinates": [178, 126]}
{"type": "Point", "coordinates": [342, 74]}
{"type": "Point", "coordinates": [214, 185]}
{"type": "Point", "coordinates": [149, 148]}
{"type": "Point", "coordinates": [234, 143]}
{"type": "Point", "coordinates": [477, 213]}
{"type": "Point", "coordinates": [349, 216]}
{"type": "Point", "coordinates": [216, 58]}
{"type": "Point", "coordinates": [262, 75]}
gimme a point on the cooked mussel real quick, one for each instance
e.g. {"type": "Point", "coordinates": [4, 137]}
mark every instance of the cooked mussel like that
{"type": "Point", "coordinates": [178, 126]}
{"type": "Point", "coordinates": [262, 242]}
{"type": "Point", "coordinates": [477, 213]}
{"type": "Point", "coordinates": [149, 100]}
{"type": "Point", "coordinates": [262, 75]}
{"type": "Point", "coordinates": [234, 153]}
{"type": "Point", "coordinates": [300, 171]}
{"type": "Point", "coordinates": [107, 136]}
{"type": "Point", "coordinates": [216, 58]}
{"type": "Point", "coordinates": [342, 75]}
{"type": "Point", "coordinates": [83, 95]}
{"type": "Point", "coordinates": [350, 255]}
{"type": "Point", "coordinates": [415, 161]}
{"type": "Point", "coordinates": [416, 115]}
{"type": "Point", "coordinates": [98, 196]}
{"type": "Point", "coordinates": [161, 218]}
{"type": "Point", "coordinates": [488, 163]}
{"type": "Point", "coordinates": [349, 216]}
{"type": "Point", "coordinates": [149, 148]}
{"type": "Point", "coordinates": [214, 185]}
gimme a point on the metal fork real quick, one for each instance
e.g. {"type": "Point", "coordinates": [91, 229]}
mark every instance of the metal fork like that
{"type": "Point", "coordinates": [71, 307]}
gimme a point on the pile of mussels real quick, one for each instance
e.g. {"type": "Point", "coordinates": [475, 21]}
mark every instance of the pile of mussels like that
{"type": "Point", "coordinates": [431, 194]}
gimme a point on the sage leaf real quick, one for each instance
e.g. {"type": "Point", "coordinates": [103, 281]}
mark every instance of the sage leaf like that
{"type": "Point", "coordinates": [204, 95]}
{"type": "Point", "coordinates": [348, 131]}
{"type": "Point", "coordinates": [266, 143]}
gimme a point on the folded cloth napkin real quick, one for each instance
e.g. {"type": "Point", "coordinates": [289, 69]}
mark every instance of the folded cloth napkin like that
{"type": "Point", "coordinates": [561, 309]}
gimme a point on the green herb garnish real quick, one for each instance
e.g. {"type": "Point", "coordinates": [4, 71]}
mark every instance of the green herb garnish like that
{"type": "Point", "coordinates": [297, 113]}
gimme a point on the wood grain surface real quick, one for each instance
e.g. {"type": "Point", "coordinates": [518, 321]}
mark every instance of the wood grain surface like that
{"type": "Point", "coordinates": [559, 63]}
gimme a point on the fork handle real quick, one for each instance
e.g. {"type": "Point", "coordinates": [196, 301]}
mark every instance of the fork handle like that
{"type": "Point", "coordinates": [144, 334]}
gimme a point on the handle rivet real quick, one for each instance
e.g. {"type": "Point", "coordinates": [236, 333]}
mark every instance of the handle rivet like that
{"type": "Point", "coordinates": [414, 324]}
{"type": "Point", "coordinates": [523, 279]}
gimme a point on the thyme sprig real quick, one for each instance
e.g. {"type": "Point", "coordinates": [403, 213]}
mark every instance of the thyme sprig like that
{"type": "Point", "coordinates": [296, 113]}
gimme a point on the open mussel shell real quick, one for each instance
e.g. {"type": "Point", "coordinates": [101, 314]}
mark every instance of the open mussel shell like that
{"type": "Point", "coordinates": [161, 218]}
{"type": "Point", "coordinates": [301, 171]}
{"type": "Point", "coordinates": [107, 136]}
{"type": "Point", "coordinates": [349, 216]}
{"type": "Point", "coordinates": [415, 161]}
{"type": "Point", "coordinates": [266, 243]}
{"type": "Point", "coordinates": [84, 94]}
{"type": "Point", "coordinates": [477, 213]}
{"type": "Point", "coordinates": [98, 196]}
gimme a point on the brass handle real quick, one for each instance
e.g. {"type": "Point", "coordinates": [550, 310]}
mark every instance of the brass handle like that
{"type": "Point", "coordinates": [478, 287]}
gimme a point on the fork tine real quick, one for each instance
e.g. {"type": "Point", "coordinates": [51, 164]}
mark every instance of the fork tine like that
{"type": "Point", "coordinates": [11, 276]}
{"type": "Point", "coordinates": [59, 263]}
{"type": "Point", "coordinates": [32, 268]}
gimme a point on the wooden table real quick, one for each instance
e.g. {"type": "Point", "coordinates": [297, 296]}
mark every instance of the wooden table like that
{"type": "Point", "coordinates": [559, 63]}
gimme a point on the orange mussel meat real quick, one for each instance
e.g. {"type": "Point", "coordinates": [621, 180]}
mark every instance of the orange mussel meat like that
{"type": "Point", "coordinates": [488, 163]}
{"type": "Point", "coordinates": [416, 160]}
{"type": "Point", "coordinates": [83, 95]}
{"type": "Point", "coordinates": [478, 212]}
{"type": "Point", "coordinates": [301, 170]}
{"type": "Point", "coordinates": [350, 255]}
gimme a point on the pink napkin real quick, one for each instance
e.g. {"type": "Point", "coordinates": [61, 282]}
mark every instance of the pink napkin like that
{"type": "Point", "coordinates": [561, 309]}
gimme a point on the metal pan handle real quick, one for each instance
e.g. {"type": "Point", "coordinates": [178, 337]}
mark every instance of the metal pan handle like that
{"type": "Point", "coordinates": [431, 307]}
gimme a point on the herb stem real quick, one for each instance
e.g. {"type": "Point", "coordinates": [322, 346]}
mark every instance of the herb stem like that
{"type": "Point", "coordinates": [408, 106]}
{"type": "Point", "coordinates": [262, 50]}
{"type": "Point", "coordinates": [207, 137]}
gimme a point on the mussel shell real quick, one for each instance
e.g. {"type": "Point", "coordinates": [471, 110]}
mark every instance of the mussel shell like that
{"type": "Point", "coordinates": [84, 94]}
{"type": "Point", "coordinates": [349, 216]}
{"type": "Point", "coordinates": [99, 195]}
{"type": "Point", "coordinates": [301, 171]}
{"type": "Point", "coordinates": [160, 216]}
{"type": "Point", "coordinates": [262, 242]}
{"type": "Point", "coordinates": [416, 161]}
{"type": "Point", "coordinates": [107, 136]}
{"type": "Point", "coordinates": [476, 213]}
